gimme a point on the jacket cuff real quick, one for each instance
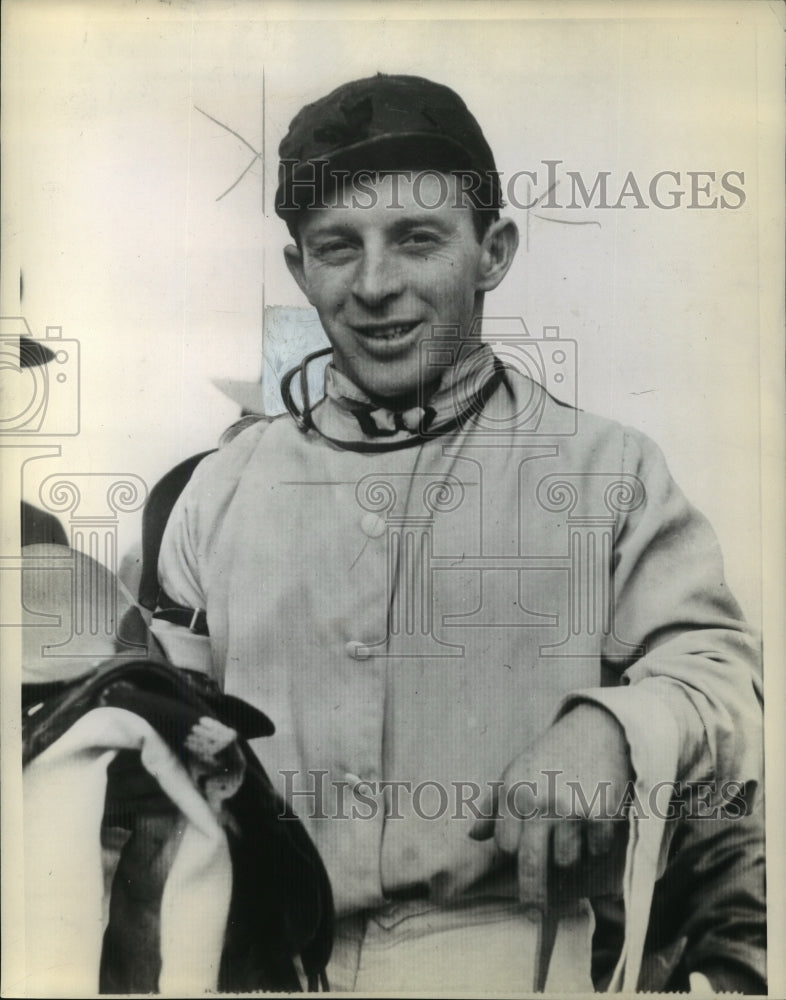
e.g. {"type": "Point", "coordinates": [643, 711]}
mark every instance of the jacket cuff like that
{"type": "Point", "coordinates": [651, 728]}
{"type": "Point", "coordinates": [652, 735]}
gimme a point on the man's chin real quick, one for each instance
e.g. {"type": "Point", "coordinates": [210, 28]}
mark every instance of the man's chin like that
{"type": "Point", "coordinates": [395, 393]}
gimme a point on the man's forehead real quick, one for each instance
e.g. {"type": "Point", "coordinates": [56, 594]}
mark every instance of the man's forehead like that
{"type": "Point", "coordinates": [393, 199]}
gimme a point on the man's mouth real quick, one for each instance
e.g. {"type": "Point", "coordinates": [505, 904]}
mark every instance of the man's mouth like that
{"type": "Point", "coordinates": [386, 332]}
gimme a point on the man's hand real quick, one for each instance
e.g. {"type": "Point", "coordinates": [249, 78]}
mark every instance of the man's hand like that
{"type": "Point", "coordinates": [565, 789]}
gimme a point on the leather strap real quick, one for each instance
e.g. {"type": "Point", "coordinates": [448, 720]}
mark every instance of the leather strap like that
{"type": "Point", "coordinates": [194, 619]}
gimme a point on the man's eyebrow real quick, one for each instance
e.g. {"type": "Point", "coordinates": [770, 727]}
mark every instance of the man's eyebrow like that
{"type": "Point", "coordinates": [321, 230]}
{"type": "Point", "coordinates": [416, 221]}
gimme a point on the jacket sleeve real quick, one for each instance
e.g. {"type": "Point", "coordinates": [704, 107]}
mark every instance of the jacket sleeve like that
{"type": "Point", "coordinates": [191, 535]}
{"type": "Point", "coordinates": [696, 679]}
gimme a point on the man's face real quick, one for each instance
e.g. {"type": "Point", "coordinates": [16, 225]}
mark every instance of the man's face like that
{"type": "Point", "coordinates": [382, 278]}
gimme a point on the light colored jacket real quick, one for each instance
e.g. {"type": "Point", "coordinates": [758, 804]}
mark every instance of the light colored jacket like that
{"type": "Point", "coordinates": [421, 615]}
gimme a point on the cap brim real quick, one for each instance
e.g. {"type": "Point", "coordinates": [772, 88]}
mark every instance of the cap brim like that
{"type": "Point", "coordinates": [380, 153]}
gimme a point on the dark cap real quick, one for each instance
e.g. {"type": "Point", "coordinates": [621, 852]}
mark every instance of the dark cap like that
{"type": "Point", "coordinates": [383, 123]}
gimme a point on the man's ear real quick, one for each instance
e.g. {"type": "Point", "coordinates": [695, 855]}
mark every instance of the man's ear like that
{"type": "Point", "coordinates": [294, 259]}
{"type": "Point", "coordinates": [499, 247]}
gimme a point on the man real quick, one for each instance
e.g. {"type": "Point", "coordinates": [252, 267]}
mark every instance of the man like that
{"type": "Point", "coordinates": [485, 624]}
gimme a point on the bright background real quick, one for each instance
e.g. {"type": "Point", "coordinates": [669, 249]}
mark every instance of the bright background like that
{"type": "Point", "coordinates": [111, 178]}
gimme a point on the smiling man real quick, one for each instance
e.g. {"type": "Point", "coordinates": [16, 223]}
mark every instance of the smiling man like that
{"type": "Point", "coordinates": [488, 627]}
{"type": "Point", "coordinates": [384, 279]}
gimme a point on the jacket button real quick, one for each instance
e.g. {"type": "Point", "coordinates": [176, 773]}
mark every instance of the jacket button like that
{"type": "Point", "coordinates": [372, 525]}
{"type": "Point", "coordinates": [353, 780]}
{"type": "Point", "coordinates": [357, 650]}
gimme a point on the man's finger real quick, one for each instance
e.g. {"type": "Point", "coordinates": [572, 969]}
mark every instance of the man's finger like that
{"type": "Point", "coordinates": [533, 857]}
{"type": "Point", "coordinates": [600, 837]}
{"type": "Point", "coordinates": [488, 807]}
{"type": "Point", "coordinates": [567, 843]}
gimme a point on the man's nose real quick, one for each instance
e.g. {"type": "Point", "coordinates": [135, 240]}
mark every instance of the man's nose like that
{"type": "Point", "coordinates": [378, 277]}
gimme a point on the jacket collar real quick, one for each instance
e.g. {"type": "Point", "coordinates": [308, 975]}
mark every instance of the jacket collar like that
{"type": "Point", "coordinates": [473, 365]}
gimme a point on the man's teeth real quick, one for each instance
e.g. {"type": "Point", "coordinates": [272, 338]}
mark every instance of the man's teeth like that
{"type": "Point", "coordinates": [390, 332]}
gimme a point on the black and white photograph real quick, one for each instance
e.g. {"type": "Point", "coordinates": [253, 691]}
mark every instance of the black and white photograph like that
{"type": "Point", "coordinates": [392, 449]}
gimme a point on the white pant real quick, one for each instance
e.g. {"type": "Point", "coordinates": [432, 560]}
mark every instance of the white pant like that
{"type": "Point", "coordinates": [476, 947]}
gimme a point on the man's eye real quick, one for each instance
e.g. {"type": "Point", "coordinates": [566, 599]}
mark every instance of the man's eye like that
{"type": "Point", "coordinates": [335, 250]}
{"type": "Point", "coordinates": [421, 238]}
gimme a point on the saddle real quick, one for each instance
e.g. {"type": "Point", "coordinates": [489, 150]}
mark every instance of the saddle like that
{"type": "Point", "coordinates": [279, 917]}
